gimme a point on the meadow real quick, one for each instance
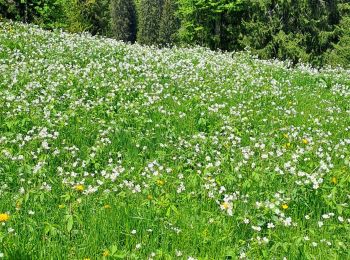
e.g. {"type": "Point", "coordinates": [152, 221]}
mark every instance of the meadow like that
{"type": "Point", "coordinates": [117, 151]}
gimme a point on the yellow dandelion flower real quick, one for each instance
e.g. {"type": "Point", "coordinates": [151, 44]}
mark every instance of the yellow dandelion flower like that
{"type": "Point", "coordinates": [160, 182]}
{"type": "Point", "coordinates": [107, 206]}
{"type": "Point", "coordinates": [305, 141]}
{"type": "Point", "coordinates": [106, 253]}
{"type": "Point", "coordinates": [79, 187]}
{"type": "Point", "coordinates": [285, 206]}
{"type": "Point", "coordinates": [287, 145]}
{"type": "Point", "coordinates": [334, 180]}
{"type": "Point", "coordinates": [285, 136]}
{"type": "Point", "coordinates": [86, 258]}
{"type": "Point", "coordinates": [4, 217]}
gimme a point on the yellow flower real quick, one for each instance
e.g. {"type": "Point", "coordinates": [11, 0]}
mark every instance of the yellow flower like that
{"type": "Point", "coordinates": [106, 253]}
{"type": "Point", "coordinates": [288, 145]}
{"type": "Point", "coordinates": [225, 205]}
{"type": "Point", "coordinates": [286, 136]}
{"type": "Point", "coordinates": [61, 206]}
{"type": "Point", "coordinates": [86, 258]}
{"type": "Point", "coordinates": [79, 187]}
{"type": "Point", "coordinates": [149, 197]}
{"type": "Point", "coordinates": [160, 182]}
{"type": "Point", "coordinates": [107, 206]}
{"type": "Point", "coordinates": [305, 141]}
{"type": "Point", "coordinates": [285, 206]}
{"type": "Point", "coordinates": [4, 217]}
{"type": "Point", "coordinates": [334, 180]}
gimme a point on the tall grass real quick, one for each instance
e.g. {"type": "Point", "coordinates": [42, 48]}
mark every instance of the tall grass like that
{"type": "Point", "coordinates": [109, 150]}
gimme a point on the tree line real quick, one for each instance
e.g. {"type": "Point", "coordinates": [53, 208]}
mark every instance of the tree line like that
{"type": "Point", "coordinates": [315, 31]}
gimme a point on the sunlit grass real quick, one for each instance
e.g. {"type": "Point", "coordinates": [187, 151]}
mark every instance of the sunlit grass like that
{"type": "Point", "coordinates": [110, 150]}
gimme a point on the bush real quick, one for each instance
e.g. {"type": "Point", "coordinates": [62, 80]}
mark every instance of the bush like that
{"type": "Point", "coordinates": [8, 9]}
{"type": "Point", "coordinates": [46, 13]}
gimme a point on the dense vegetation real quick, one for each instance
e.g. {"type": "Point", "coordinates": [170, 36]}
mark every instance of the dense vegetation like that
{"type": "Point", "coordinates": [110, 150]}
{"type": "Point", "coordinates": [313, 31]}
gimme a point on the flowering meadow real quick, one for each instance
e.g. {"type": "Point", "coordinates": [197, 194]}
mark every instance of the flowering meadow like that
{"type": "Point", "coordinates": [117, 151]}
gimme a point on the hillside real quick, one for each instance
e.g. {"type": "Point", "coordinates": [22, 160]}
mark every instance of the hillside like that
{"type": "Point", "coordinates": [110, 150]}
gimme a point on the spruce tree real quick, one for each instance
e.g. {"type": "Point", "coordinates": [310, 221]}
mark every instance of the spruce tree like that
{"type": "Point", "coordinates": [169, 23]}
{"type": "Point", "coordinates": [340, 54]}
{"type": "Point", "coordinates": [123, 20]}
{"type": "Point", "coordinates": [149, 21]}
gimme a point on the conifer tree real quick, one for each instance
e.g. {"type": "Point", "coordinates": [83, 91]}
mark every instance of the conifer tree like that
{"type": "Point", "coordinates": [149, 21]}
{"type": "Point", "coordinates": [123, 20]}
{"type": "Point", "coordinates": [340, 54]}
{"type": "Point", "coordinates": [169, 23]}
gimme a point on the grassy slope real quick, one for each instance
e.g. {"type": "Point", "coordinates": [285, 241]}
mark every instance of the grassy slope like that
{"type": "Point", "coordinates": [185, 146]}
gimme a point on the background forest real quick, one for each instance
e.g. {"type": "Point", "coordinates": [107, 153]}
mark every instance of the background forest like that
{"type": "Point", "coordinates": [315, 31]}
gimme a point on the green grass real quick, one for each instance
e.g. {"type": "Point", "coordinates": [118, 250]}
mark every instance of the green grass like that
{"type": "Point", "coordinates": [118, 151]}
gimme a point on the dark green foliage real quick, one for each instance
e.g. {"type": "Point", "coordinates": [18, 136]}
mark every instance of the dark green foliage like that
{"type": "Point", "coordinates": [47, 13]}
{"type": "Point", "coordinates": [123, 20]}
{"type": "Point", "coordinates": [169, 23]}
{"type": "Point", "coordinates": [207, 22]}
{"type": "Point", "coordinates": [11, 10]}
{"type": "Point", "coordinates": [150, 12]}
{"type": "Point", "coordinates": [298, 30]}
{"type": "Point", "coordinates": [340, 54]}
{"type": "Point", "coordinates": [96, 14]}
{"type": "Point", "coordinates": [88, 15]}
{"type": "Point", "coordinates": [315, 31]}
{"type": "Point", "coordinates": [75, 16]}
